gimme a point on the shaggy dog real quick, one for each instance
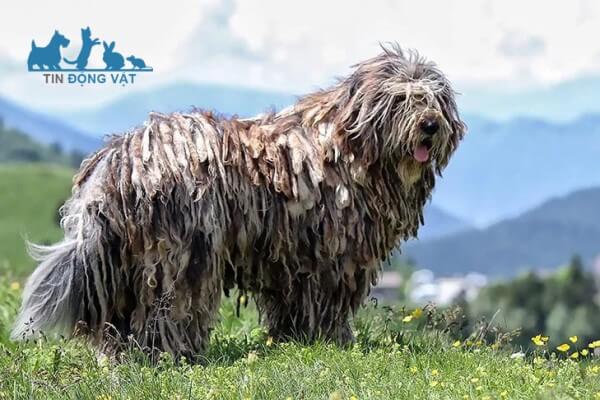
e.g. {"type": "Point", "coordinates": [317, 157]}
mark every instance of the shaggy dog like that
{"type": "Point", "coordinates": [298, 208]}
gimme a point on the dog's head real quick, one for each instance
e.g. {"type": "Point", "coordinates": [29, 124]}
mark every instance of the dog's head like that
{"type": "Point", "coordinates": [399, 109]}
{"type": "Point", "coordinates": [60, 39]}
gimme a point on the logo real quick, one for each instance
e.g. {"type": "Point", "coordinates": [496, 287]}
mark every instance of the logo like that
{"type": "Point", "coordinates": [55, 69]}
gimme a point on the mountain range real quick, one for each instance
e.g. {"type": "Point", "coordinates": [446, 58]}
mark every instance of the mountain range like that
{"type": "Point", "coordinates": [500, 170]}
{"type": "Point", "coordinates": [505, 168]}
{"type": "Point", "coordinates": [46, 129]}
{"type": "Point", "coordinates": [132, 109]}
{"type": "Point", "coordinates": [500, 167]}
{"type": "Point", "coordinates": [441, 223]}
{"type": "Point", "coordinates": [544, 237]}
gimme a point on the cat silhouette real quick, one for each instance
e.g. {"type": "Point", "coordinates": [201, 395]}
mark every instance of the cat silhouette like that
{"type": "Point", "coordinates": [112, 59]}
{"type": "Point", "coordinates": [48, 56]}
{"type": "Point", "coordinates": [137, 62]}
{"type": "Point", "coordinates": [86, 49]}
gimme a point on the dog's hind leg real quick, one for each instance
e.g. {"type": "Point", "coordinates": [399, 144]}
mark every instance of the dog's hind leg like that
{"type": "Point", "coordinates": [178, 300]}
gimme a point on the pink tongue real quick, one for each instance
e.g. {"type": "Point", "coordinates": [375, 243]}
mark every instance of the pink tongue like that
{"type": "Point", "coordinates": [421, 153]}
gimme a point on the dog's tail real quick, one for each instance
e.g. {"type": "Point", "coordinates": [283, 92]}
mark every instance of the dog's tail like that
{"type": "Point", "coordinates": [69, 62]}
{"type": "Point", "coordinates": [53, 295]}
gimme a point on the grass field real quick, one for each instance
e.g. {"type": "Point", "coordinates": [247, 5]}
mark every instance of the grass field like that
{"type": "Point", "coordinates": [30, 195]}
{"type": "Point", "coordinates": [391, 360]}
{"type": "Point", "coordinates": [399, 354]}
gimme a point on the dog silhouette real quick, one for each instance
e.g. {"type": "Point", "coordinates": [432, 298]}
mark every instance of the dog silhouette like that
{"type": "Point", "coordinates": [48, 56]}
{"type": "Point", "coordinates": [86, 49]}
{"type": "Point", "coordinates": [137, 62]}
{"type": "Point", "coordinates": [112, 59]}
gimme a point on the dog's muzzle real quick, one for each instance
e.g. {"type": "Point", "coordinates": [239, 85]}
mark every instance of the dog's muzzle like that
{"type": "Point", "coordinates": [428, 126]}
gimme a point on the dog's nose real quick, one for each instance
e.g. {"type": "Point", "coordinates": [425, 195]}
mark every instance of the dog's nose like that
{"type": "Point", "coordinates": [429, 126]}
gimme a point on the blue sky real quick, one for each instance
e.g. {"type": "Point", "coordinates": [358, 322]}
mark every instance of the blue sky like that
{"type": "Point", "coordinates": [299, 46]}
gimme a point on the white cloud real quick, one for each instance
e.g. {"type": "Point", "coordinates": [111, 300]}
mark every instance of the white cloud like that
{"type": "Point", "coordinates": [298, 45]}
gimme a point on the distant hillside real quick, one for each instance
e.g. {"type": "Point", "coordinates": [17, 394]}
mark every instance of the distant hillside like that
{"type": "Point", "coordinates": [546, 236]}
{"type": "Point", "coordinates": [504, 169]}
{"type": "Point", "coordinates": [45, 129]}
{"type": "Point", "coordinates": [439, 223]}
{"type": "Point", "coordinates": [30, 195]}
{"type": "Point", "coordinates": [16, 146]}
{"type": "Point", "coordinates": [132, 109]}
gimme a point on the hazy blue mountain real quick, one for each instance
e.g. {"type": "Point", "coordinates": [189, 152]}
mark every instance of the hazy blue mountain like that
{"type": "Point", "coordinates": [45, 129]}
{"type": "Point", "coordinates": [132, 109]}
{"type": "Point", "coordinates": [543, 237]}
{"type": "Point", "coordinates": [557, 103]}
{"type": "Point", "coordinates": [439, 223]}
{"type": "Point", "coordinates": [503, 169]}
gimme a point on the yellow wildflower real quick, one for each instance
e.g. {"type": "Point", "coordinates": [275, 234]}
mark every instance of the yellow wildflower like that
{"type": "Point", "coordinates": [408, 318]}
{"type": "Point", "coordinates": [585, 352]}
{"type": "Point", "coordinates": [474, 380]}
{"type": "Point", "coordinates": [335, 396]}
{"type": "Point", "coordinates": [353, 397]}
{"type": "Point", "coordinates": [15, 285]}
{"type": "Point", "coordinates": [540, 340]}
{"type": "Point", "coordinates": [414, 370]}
{"type": "Point", "coordinates": [417, 312]}
{"type": "Point", "coordinates": [594, 344]}
{"type": "Point", "coordinates": [574, 356]}
{"type": "Point", "coordinates": [563, 347]}
{"type": "Point", "coordinates": [269, 341]}
{"type": "Point", "coordinates": [504, 394]}
{"type": "Point", "coordinates": [573, 339]}
{"type": "Point", "coordinates": [433, 383]}
{"type": "Point", "coordinates": [435, 372]}
{"type": "Point", "coordinates": [456, 344]}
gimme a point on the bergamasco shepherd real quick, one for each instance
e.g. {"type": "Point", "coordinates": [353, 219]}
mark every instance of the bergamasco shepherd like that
{"type": "Point", "coordinates": [297, 208]}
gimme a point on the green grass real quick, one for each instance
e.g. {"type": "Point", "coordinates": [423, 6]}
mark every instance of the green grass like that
{"type": "Point", "coordinates": [391, 360]}
{"type": "Point", "coordinates": [30, 195]}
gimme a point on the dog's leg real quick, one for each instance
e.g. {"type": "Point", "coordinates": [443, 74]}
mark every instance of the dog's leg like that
{"type": "Point", "coordinates": [178, 301]}
{"type": "Point", "coordinates": [316, 306]}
